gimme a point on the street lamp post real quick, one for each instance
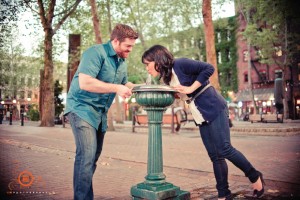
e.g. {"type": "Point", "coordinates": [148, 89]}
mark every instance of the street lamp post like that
{"type": "Point", "coordinates": [1, 112]}
{"type": "Point", "coordinates": [133, 108]}
{"type": "Point", "coordinates": [11, 111]}
{"type": "Point", "coordinates": [22, 115]}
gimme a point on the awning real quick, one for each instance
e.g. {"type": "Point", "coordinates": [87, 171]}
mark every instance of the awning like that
{"type": "Point", "coordinates": [261, 94]}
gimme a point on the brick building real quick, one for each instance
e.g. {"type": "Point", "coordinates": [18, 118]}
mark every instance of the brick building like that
{"type": "Point", "coordinates": [262, 80]}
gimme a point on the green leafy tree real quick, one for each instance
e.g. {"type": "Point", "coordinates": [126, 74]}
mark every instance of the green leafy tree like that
{"type": "Point", "coordinates": [59, 106]}
{"type": "Point", "coordinates": [9, 15]}
{"type": "Point", "coordinates": [9, 49]}
{"type": "Point", "coordinates": [51, 23]}
{"type": "Point", "coordinates": [33, 113]}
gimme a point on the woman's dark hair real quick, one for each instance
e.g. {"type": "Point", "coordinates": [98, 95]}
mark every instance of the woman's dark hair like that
{"type": "Point", "coordinates": [163, 59]}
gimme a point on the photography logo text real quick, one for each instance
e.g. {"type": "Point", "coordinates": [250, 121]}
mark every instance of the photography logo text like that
{"type": "Point", "coordinates": [26, 183]}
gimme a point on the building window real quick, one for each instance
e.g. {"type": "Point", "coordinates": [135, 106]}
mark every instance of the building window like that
{"type": "Point", "coordinates": [185, 43]}
{"type": "Point", "coordinates": [201, 57]}
{"type": "Point", "coordinates": [219, 57]}
{"type": "Point", "coordinates": [15, 93]}
{"type": "Point", "coordinates": [228, 78]}
{"type": "Point", "coordinates": [245, 56]}
{"type": "Point", "coordinates": [29, 82]}
{"type": "Point", "coordinates": [200, 42]}
{"type": "Point", "coordinates": [22, 94]}
{"type": "Point", "coordinates": [192, 42]}
{"type": "Point", "coordinates": [6, 81]}
{"type": "Point", "coordinates": [263, 75]}
{"type": "Point", "coordinates": [228, 55]}
{"type": "Point", "coordinates": [278, 51]}
{"type": "Point", "coordinates": [15, 81]}
{"type": "Point", "coordinates": [228, 35]}
{"type": "Point", "coordinates": [260, 54]}
{"type": "Point", "coordinates": [29, 94]}
{"type": "Point", "coordinates": [22, 81]}
{"type": "Point", "coordinates": [278, 73]}
{"type": "Point", "coordinates": [299, 73]}
{"type": "Point", "coordinates": [218, 37]}
{"type": "Point", "coordinates": [175, 45]}
{"type": "Point", "coordinates": [245, 77]}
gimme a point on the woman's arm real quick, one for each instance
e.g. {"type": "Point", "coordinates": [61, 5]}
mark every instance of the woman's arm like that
{"type": "Point", "coordinates": [188, 89]}
{"type": "Point", "coordinates": [190, 67]}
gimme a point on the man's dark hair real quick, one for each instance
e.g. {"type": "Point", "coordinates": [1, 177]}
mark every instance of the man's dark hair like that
{"type": "Point", "coordinates": [122, 31]}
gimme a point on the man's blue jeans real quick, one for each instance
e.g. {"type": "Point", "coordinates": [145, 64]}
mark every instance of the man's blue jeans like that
{"type": "Point", "coordinates": [89, 144]}
{"type": "Point", "coordinates": [216, 138]}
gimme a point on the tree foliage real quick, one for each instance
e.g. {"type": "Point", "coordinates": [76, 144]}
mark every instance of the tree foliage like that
{"type": "Point", "coordinates": [59, 107]}
{"type": "Point", "coordinates": [156, 21]}
{"type": "Point", "coordinates": [52, 15]}
{"type": "Point", "coordinates": [271, 28]}
{"type": "Point", "coordinates": [9, 14]}
{"type": "Point", "coordinates": [9, 50]}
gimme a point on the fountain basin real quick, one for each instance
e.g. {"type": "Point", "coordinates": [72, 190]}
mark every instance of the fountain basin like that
{"type": "Point", "coordinates": [154, 95]}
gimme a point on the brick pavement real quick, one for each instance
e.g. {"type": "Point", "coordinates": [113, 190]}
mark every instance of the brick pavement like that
{"type": "Point", "coordinates": [48, 153]}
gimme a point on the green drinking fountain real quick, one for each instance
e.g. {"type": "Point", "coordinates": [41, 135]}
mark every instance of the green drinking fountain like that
{"type": "Point", "coordinates": [155, 99]}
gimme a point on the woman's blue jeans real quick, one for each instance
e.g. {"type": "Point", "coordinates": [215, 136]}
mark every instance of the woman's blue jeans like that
{"type": "Point", "coordinates": [216, 138]}
{"type": "Point", "coordinates": [89, 144]}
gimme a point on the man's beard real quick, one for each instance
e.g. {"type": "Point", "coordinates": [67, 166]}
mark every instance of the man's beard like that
{"type": "Point", "coordinates": [122, 54]}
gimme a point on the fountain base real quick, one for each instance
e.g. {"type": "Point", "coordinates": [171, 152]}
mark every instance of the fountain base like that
{"type": "Point", "coordinates": [158, 191]}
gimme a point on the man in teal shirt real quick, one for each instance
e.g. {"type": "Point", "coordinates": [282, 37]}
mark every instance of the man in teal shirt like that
{"type": "Point", "coordinates": [102, 73]}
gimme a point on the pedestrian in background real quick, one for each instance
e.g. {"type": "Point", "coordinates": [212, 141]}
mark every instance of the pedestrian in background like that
{"type": "Point", "coordinates": [102, 73]}
{"type": "Point", "coordinates": [210, 112]}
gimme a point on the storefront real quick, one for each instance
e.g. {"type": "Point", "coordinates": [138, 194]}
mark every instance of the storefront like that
{"type": "Point", "coordinates": [263, 97]}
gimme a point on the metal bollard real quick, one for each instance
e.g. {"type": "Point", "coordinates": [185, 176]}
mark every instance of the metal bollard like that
{"type": "Point", "coordinates": [22, 118]}
{"type": "Point", "coordinates": [1, 117]}
{"type": "Point", "coordinates": [10, 117]}
{"type": "Point", "coordinates": [133, 120]}
{"type": "Point", "coordinates": [63, 121]}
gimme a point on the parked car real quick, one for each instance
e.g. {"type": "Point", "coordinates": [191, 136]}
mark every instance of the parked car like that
{"type": "Point", "coordinates": [245, 116]}
{"type": "Point", "coordinates": [57, 120]}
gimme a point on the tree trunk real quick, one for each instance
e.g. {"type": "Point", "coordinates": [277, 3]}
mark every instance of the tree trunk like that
{"type": "Point", "coordinates": [210, 41]}
{"type": "Point", "coordinates": [46, 17]}
{"type": "Point", "coordinates": [47, 84]}
{"type": "Point", "coordinates": [286, 111]}
{"type": "Point", "coordinates": [96, 22]}
{"type": "Point", "coordinates": [250, 78]}
{"type": "Point", "coordinates": [109, 15]}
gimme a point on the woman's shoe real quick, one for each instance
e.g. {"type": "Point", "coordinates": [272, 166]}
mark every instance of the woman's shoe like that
{"type": "Point", "coordinates": [226, 198]}
{"type": "Point", "coordinates": [259, 193]}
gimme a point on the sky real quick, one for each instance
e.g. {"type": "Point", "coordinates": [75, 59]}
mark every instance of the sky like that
{"type": "Point", "coordinates": [31, 42]}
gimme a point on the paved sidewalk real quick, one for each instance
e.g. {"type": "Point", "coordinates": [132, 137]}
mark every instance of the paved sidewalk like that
{"type": "Point", "coordinates": [43, 158]}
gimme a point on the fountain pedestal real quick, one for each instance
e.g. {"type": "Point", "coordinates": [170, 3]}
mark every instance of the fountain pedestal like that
{"type": "Point", "coordinates": [155, 100]}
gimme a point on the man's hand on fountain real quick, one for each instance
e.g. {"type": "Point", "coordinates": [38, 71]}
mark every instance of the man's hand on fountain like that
{"type": "Point", "coordinates": [123, 91]}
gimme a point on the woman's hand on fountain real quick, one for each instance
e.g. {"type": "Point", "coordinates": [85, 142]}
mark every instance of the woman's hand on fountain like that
{"type": "Point", "coordinates": [184, 89]}
{"type": "Point", "coordinates": [177, 96]}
